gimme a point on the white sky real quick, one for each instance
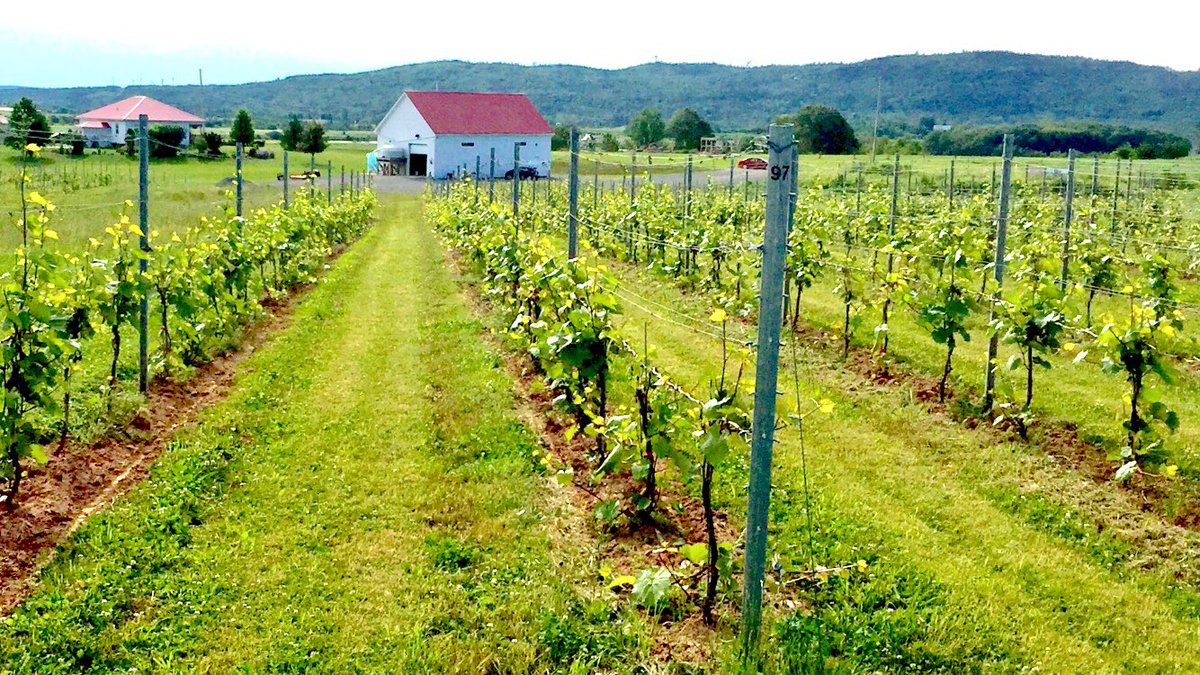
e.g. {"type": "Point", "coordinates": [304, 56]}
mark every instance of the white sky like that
{"type": "Point", "coordinates": [282, 38]}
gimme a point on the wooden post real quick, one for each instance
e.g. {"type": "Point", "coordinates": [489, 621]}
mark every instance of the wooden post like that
{"type": "Point", "coordinates": [238, 180]}
{"type": "Point", "coordinates": [286, 179]}
{"type": "Point", "coordinates": [144, 244]}
{"type": "Point", "coordinates": [765, 384]}
{"type": "Point", "coordinates": [891, 258]}
{"type": "Point", "coordinates": [1069, 213]}
{"type": "Point", "coordinates": [573, 198]}
{"type": "Point", "coordinates": [516, 179]}
{"type": "Point", "coordinates": [989, 376]}
{"type": "Point", "coordinates": [492, 175]}
{"type": "Point", "coordinates": [329, 182]}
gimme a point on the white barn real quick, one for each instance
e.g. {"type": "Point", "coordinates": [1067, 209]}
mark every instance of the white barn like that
{"type": "Point", "coordinates": [443, 133]}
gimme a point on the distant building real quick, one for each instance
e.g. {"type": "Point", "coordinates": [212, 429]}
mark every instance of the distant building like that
{"type": "Point", "coordinates": [943, 127]}
{"type": "Point", "coordinates": [446, 133]}
{"type": "Point", "coordinates": [107, 126]}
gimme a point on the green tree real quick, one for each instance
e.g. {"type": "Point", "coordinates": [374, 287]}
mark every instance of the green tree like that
{"type": "Point", "coordinates": [165, 141]}
{"type": "Point", "coordinates": [687, 128]}
{"type": "Point", "coordinates": [646, 127]}
{"type": "Point", "coordinates": [242, 130]}
{"type": "Point", "coordinates": [26, 125]}
{"type": "Point", "coordinates": [561, 139]}
{"type": "Point", "coordinates": [608, 143]}
{"type": "Point", "coordinates": [312, 141]}
{"type": "Point", "coordinates": [822, 130]}
{"type": "Point", "coordinates": [293, 134]}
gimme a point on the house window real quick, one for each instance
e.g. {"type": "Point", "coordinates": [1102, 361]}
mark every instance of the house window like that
{"type": "Point", "coordinates": [468, 145]}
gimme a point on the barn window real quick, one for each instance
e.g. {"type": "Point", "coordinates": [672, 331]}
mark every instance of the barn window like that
{"type": "Point", "coordinates": [468, 145]}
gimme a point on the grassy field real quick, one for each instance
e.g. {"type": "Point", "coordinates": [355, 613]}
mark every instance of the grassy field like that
{"type": "Point", "coordinates": [374, 509]}
{"type": "Point", "coordinates": [1050, 573]}
{"type": "Point", "coordinates": [90, 191]}
{"type": "Point", "coordinates": [367, 500]}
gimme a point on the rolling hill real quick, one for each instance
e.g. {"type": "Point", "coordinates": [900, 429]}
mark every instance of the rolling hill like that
{"type": "Point", "coordinates": [971, 87]}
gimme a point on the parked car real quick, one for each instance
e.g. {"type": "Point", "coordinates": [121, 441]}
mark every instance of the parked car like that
{"type": "Point", "coordinates": [526, 172]}
{"type": "Point", "coordinates": [753, 163]}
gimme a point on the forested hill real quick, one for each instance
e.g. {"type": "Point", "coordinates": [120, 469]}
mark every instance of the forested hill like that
{"type": "Point", "coordinates": [976, 87]}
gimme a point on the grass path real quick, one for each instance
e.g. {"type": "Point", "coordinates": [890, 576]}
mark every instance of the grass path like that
{"type": "Point", "coordinates": [1016, 577]}
{"type": "Point", "coordinates": [363, 502]}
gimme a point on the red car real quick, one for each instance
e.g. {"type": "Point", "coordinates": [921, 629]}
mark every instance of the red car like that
{"type": "Point", "coordinates": [752, 163]}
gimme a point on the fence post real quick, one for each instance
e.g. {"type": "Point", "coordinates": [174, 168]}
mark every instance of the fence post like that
{"type": "Point", "coordinates": [286, 179]}
{"type": "Point", "coordinates": [238, 177]}
{"type": "Point", "coordinates": [144, 244]}
{"type": "Point", "coordinates": [891, 259]}
{"type": "Point", "coordinates": [765, 383]}
{"type": "Point", "coordinates": [632, 176]}
{"type": "Point", "coordinates": [732, 164]}
{"type": "Point", "coordinates": [687, 187]}
{"type": "Point", "coordinates": [989, 375]}
{"type": "Point", "coordinates": [573, 198]}
{"type": "Point", "coordinates": [950, 185]}
{"type": "Point", "coordinates": [1116, 195]}
{"type": "Point", "coordinates": [1069, 213]}
{"type": "Point", "coordinates": [516, 179]}
{"type": "Point", "coordinates": [329, 182]}
{"type": "Point", "coordinates": [1095, 189]}
{"type": "Point", "coordinates": [478, 171]}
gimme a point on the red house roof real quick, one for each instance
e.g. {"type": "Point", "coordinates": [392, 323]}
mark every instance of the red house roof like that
{"type": "Point", "coordinates": [130, 108]}
{"type": "Point", "coordinates": [459, 112]}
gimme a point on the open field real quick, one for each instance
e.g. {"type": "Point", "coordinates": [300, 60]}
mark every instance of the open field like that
{"type": "Point", "coordinates": [90, 191]}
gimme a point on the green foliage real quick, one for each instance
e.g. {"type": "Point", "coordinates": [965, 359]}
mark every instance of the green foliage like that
{"type": "Point", "coordinates": [646, 127]}
{"type": "Point", "coordinates": [687, 128]}
{"type": "Point", "coordinates": [293, 135]}
{"type": "Point", "coordinates": [212, 143]}
{"type": "Point", "coordinates": [822, 130]}
{"type": "Point", "coordinates": [208, 283]}
{"type": "Point", "coordinates": [26, 124]}
{"type": "Point", "coordinates": [561, 139]}
{"type": "Point", "coordinates": [313, 139]}
{"type": "Point", "coordinates": [242, 130]}
{"type": "Point", "coordinates": [1045, 139]}
{"type": "Point", "coordinates": [165, 141]}
{"type": "Point", "coordinates": [608, 142]}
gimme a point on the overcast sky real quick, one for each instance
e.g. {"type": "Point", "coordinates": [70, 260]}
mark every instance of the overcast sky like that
{"type": "Point", "coordinates": [90, 43]}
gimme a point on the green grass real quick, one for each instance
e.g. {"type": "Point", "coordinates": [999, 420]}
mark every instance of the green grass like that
{"type": "Point", "coordinates": [987, 556]}
{"type": "Point", "coordinates": [365, 501]}
{"type": "Point", "coordinates": [90, 191]}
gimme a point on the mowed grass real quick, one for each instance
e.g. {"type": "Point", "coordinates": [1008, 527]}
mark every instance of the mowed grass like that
{"type": "Point", "coordinates": [985, 556]}
{"type": "Point", "coordinates": [181, 189]}
{"type": "Point", "coordinates": [364, 502]}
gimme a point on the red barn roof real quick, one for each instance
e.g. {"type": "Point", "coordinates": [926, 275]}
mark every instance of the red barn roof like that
{"type": "Point", "coordinates": [459, 112]}
{"type": "Point", "coordinates": [130, 108]}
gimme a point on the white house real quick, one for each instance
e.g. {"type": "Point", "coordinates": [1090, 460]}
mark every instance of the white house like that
{"type": "Point", "coordinates": [444, 133]}
{"type": "Point", "coordinates": [107, 126]}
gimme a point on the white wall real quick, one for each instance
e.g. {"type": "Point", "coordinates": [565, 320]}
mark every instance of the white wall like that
{"type": "Point", "coordinates": [451, 155]}
{"type": "Point", "coordinates": [401, 125]}
{"type": "Point", "coordinates": [115, 134]}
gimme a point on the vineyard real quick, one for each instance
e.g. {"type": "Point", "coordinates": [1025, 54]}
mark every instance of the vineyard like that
{"type": "Point", "coordinates": [471, 451]}
{"type": "Point", "coordinates": [1087, 309]}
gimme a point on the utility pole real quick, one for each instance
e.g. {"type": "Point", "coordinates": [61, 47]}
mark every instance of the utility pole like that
{"type": "Point", "coordinates": [779, 168]}
{"type": "Point", "coordinates": [878, 105]}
